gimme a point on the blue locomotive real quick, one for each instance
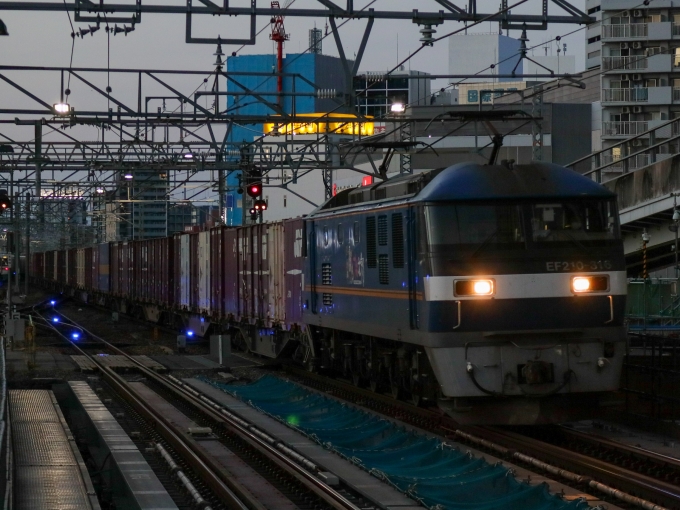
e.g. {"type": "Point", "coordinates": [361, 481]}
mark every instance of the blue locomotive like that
{"type": "Point", "coordinates": [496, 291]}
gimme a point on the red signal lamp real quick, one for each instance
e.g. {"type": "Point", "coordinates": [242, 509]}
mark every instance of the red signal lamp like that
{"type": "Point", "coordinates": [260, 205]}
{"type": "Point", "coordinates": [255, 189]}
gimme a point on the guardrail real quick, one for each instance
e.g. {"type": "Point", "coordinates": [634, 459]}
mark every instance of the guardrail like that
{"type": "Point", "coordinates": [624, 31]}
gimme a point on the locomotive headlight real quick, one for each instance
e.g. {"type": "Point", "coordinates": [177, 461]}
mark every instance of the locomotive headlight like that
{"type": "Point", "coordinates": [474, 287]}
{"type": "Point", "coordinates": [583, 284]}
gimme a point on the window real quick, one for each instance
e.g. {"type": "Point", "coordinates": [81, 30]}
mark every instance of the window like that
{"type": "Point", "coordinates": [356, 233]}
{"type": "Point", "coordinates": [397, 240]}
{"type": "Point", "coordinates": [371, 248]}
{"type": "Point", "coordinates": [594, 54]}
{"type": "Point", "coordinates": [573, 220]}
{"type": "Point", "coordinates": [382, 230]}
{"type": "Point", "coordinates": [474, 224]}
{"type": "Point", "coordinates": [593, 10]}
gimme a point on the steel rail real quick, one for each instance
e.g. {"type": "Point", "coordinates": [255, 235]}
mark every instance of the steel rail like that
{"type": "Point", "coordinates": [169, 432]}
{"type": "Point", "coordinates": [597, 471]}
{"type": "Point", "coordinates": [315, 485]}
{"type": "Point", "coordinates": [513, 449]}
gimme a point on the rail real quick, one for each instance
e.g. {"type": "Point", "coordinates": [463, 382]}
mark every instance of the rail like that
{"type": "Point", "coordinates": [228, 490]}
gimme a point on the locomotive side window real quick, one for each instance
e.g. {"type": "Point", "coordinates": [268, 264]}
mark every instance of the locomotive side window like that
{"type": "Point", "coordinates": [371, 248]}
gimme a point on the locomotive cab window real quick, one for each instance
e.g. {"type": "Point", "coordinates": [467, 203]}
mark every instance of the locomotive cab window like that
{"type": "Point", "coordinates": [573, 221]}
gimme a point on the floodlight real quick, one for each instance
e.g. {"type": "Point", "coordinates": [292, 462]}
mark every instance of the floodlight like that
{"type": "Point", "coordinates": [128, 176]}
{"type": "Point", "coordinates": [398, 108]}
{"type": "Point", "coordinates": [61, 108]}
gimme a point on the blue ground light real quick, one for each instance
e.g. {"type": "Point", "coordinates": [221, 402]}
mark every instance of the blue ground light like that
{"type": "Point", "coordinates": [425, 468]}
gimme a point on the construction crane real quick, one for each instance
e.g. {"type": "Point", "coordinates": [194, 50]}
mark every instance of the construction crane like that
{"type": "Point", "coordinates": [279, 36]}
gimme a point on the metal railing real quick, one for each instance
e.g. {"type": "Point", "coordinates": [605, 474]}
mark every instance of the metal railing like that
{"type": "Point", "coordinates": [676, 94]}
{"type": "Point", "coordinates": [676, 29]}
{"type": "Point", "coordinates": [615, 164]}
{"type": "Point", "coordinates": [624, 31]}
{"type": "Point", "coordinates": [615, 128]}
{"type": "Point", "coordinates": [635, 95]}
{"type": "Point", "coordinates": [632, 62]}
{"type": "Point", "coordinates": [624, 156]}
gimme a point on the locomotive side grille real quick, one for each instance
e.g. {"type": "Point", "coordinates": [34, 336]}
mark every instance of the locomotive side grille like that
{"type": "Point", "coordinates": [380, 194]}
{"type": "Point", "coordinates": [326, 279]}
{"type": "Point", "coordinates": [326, 274]}
{"type": "Point", "coordinates": [383, 269]}
{"type": "Point", "coordinates": [382, 230]}
{"type": "Point", "coordinates": [397, 240]}
{"type": "Point", "coordinates": [371, 248]}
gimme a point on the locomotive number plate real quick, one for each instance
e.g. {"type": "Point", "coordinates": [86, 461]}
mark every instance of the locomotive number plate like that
{"type": "Point", "coordinates": [578, 265]}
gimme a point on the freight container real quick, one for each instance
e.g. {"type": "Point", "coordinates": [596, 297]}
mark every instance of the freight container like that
{"type": "Point", "coordinates": [276, 305]}
{"type": "Point", "coordinates": [203, 265]}
{"type": "Point", "coordinates": [231, 276]}
{"type": "Point", "coordinates": [294, 234]}
{"type": "Point", "coordinates": [216, 273]}
{"type": "Point", "coordinates": [184, 271]}
{"type": "Point", "coordinates": [87, 268]}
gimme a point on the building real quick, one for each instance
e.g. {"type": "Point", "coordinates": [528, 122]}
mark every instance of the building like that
{"type": "Point", "coordinates": [593, 35]}
{"type": "Point", "coordinates": [640, 57]}
{"type": "Point", "coordinates": [311, 71]}
{"type": "Point", "coordinates": [376, 92]}
{"type": "Point", "coordinates": [486, 92]}
{"type": "Point", "coordinates": [136, 209]}
{"type": "Point", "coordinates": [475, 53]}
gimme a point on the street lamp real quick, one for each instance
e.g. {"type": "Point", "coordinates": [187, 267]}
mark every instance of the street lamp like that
{"type": "Point", "coordinates": [397, 108]}
{"type": "Point", "coordinates": [61, 109]}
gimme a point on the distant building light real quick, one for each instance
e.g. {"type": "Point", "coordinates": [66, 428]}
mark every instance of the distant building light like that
{"type": "Point", "coordinates": [61, 108]}
{"type": "Point", "coordinates": [398, 108]}
{"type": "Point", "coordinates": [128, 176]}
{"type": "Point", "coordinates": [100, 190]}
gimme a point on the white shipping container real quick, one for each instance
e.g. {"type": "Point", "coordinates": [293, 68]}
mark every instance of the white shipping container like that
{"type": "Point", "coordinates": [184, 271]}
{"type": "Point", "coordinates": [276, 312]}
{"type": "Point", "coordinates": [204, 271]}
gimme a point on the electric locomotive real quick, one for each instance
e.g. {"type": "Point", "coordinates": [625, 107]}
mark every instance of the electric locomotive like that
{"type": "Point", "coordinates": [497, 291]}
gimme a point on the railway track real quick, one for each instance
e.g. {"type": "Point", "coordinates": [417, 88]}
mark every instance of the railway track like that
{"type": "Point", "coordinates": [632, 476]}
{"type": "Point", "coordinates": [300, 483]}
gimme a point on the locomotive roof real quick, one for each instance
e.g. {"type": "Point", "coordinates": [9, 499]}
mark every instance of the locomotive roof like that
{"type": "Point", "coordinates": [471, 181]}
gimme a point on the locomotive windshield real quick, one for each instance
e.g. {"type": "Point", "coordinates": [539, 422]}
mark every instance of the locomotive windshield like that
{"type": "Point", "coordinates": [522, 226]}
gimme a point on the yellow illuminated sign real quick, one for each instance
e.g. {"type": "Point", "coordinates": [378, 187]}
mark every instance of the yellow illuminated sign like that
{"type": "Point", "coordinates": [337, 123]}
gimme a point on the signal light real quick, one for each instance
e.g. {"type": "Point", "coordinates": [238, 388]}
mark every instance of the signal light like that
{"type": "Point", "coordinates": [260, 205]}
{"type": "Point", "coordinates": [255, 189]}
{"type": "Point", "coordinates": [5, 202]}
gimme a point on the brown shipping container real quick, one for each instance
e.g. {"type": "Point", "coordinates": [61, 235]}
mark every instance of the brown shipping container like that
{"type": "Point", "coordinates": [61, 266]}
{"type": "Point", "coordinates": [88, 269]}
{"type": "Point", "coordinates": [114, 268]}
{"type": "Point", "coordinates": [193, 273]}
{"type": "Point", "coordinates": [216, 268]}
{"type": "Point", "coordinates": [260, 271]}
{"type": "Point", "coordinates": [294, 234]}
{"type": "Point", "coordinates": [126, 261]}
{"type": "Point", "coordinates": [231, 264]}
{"type": "Point", "coordinates": [176, 269]}
{"type": "Point", "coordinates": [276, 310]}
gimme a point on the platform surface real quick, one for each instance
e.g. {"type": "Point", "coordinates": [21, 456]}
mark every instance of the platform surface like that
{"type": "Point", "coordinates": [49, 472]}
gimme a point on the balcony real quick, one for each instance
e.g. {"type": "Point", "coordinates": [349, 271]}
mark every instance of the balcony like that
{"type": "Point", "coordinates": [633, 128]}
{"type": "Point", "coordinates": [676, 94]}
{"type": "Point", "coordinates": [631, 63]}
{"type": "Point", "coordinates": [636, 95]}
{"type": "Point", "coordinates": [676, 29]}
{"type": "Point", "coordinates": [634, 31]}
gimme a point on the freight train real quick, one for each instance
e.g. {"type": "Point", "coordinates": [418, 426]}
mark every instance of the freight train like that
{"type": "Point", "coordinates": [495, 291]}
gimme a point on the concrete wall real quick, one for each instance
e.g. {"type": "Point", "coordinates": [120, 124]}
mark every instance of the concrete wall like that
{"type": "Point", "coordinates": [470, 53]}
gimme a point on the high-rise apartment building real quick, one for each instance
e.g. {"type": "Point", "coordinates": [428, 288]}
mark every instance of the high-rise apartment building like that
{"type": "Point", "coordinates": [639, 49]}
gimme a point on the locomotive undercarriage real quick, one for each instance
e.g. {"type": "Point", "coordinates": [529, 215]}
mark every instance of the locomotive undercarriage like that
{"type": "Point", "coordinates": [403, 370]}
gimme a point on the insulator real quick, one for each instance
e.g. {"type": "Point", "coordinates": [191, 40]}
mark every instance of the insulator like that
{"type": "Point", "coordinates": [427, 32]}
{"type": "Point", "coordinates": [326, 93]}
{"type": "Point", "coordinates": [375, 76]}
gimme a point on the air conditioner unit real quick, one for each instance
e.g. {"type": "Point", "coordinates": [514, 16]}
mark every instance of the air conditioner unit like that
{"type": "Point", "coordinates": [625, 77]}
{"type": "Point", "coordinates": [625, 109]}
{"type": "Point", "coordinates": [637, 143]}
{"type": "Point", "coordinates": [637, 109]}
{"type": "Point", "coordinates": [637, 13]}
{"type": "Point", "coordinates": [624, 45]}
{"type": "Point", "coordinates": [637, 45]}
{"type": "Point", "coordinates": [637, 77]}
{"type": "Point", "coordinates": [625, 14]}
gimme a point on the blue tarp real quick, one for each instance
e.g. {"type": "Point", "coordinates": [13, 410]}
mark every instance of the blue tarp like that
{"type": "Point", "coordinates": [429, 470]}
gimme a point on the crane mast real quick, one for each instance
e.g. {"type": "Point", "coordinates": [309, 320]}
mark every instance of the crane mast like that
{"type": "Point", "coordinates": [279, 36]}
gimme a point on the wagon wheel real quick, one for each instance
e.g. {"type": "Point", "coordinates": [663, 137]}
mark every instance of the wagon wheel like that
{"type": "Point", "coordinates": [240, 342]}
{"type": "Point", "coordinates": [395, 389]}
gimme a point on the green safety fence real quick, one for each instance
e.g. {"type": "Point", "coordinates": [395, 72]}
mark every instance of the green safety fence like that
{"type": "Point", "coordinates": [435, 473]}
